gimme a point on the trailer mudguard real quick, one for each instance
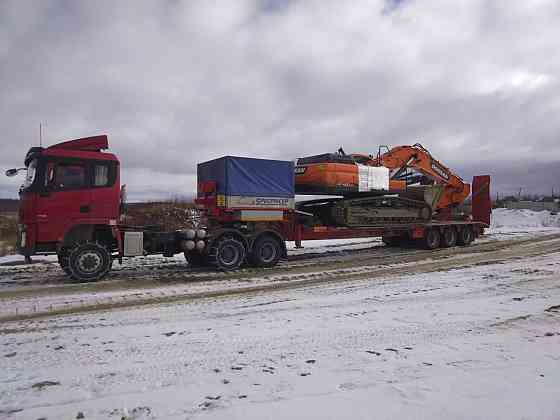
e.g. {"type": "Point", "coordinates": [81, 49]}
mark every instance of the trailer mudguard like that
{"type": "Point", "coordinates": [481, 202]}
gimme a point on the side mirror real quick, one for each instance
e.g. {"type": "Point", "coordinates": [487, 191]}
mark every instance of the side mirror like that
{"type": "Point", "coordinates": [12, 172]}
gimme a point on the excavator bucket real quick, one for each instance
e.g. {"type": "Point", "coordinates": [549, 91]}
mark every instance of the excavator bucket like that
{"type": "Point", "coordinates": [481, 202]}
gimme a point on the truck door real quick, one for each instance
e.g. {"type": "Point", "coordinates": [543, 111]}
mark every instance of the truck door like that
{"type": "Point", "coordinates": [65, 200]}
{"type": "Point", "coordinates": [105, 191]}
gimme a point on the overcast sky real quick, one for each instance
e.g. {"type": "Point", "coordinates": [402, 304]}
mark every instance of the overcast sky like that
{"type": "Point", "coordinates": [174, 83]}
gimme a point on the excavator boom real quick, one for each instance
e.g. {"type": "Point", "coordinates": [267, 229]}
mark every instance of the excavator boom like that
{"type": "Point", "coordinates": [400, 159]}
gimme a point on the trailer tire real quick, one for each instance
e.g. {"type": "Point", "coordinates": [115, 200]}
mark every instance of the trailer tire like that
{"type": "Point", "coordinates": [226, 254]}
{"type": "Point", "coordinates": [466, 236]}
{"type": "Point", "coordinates": [64, 260]}
{"type": "Point", "coordinates": [90, 261]}
{"type": "Point", "coordinates": [432, 239]}
{"type": "Point", "coordinates": [266, 252]}
{"type": "Point", "coordinates": [449, 237]}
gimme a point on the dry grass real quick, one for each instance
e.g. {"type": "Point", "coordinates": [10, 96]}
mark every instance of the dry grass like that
{"type": "Point", "coordinates": [8, 235]}
{"type": "Point", "coordinates": [169, 215]}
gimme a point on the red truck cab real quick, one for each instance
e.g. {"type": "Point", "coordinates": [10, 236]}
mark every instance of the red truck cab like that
{"type": "Point", "coordinates": [70, 188]}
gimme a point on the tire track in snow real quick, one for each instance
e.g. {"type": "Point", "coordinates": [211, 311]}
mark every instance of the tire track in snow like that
{"type": "Point", "coordinates": [267, 281]}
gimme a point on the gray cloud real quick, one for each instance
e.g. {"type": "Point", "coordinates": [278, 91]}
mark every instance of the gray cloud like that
{"type": "Point", "coordinates": [174, 83]}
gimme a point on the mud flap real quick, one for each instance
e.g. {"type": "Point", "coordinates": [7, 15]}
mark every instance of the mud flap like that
{"type": "Point", "coordinates": [481, 202]}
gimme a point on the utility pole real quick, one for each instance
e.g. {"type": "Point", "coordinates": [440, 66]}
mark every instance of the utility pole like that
{"type": "Point", "coordinates": [41, 125]}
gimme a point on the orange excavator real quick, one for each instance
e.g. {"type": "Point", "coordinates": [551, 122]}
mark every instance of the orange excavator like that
{"type": "Point", "coordinates": [405, 184]}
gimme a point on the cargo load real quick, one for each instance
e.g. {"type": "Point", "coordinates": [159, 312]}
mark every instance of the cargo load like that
{"type": "Point", "coordinates": [248, 183]}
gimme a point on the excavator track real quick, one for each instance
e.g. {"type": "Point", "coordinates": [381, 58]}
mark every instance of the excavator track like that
{"type": "Point", "coordinates": [374, 211]}
{"type": "Point", "coordinates": [367, 211]}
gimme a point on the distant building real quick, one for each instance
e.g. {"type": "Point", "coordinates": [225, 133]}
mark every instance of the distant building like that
{"type": "Point", "coordinates": [552, 206]}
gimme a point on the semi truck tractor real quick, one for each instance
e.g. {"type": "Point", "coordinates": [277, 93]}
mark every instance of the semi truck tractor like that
{"type": "Point", "coordinates": [71, 205]}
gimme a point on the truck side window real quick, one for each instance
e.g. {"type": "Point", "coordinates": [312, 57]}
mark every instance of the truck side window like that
{"type": "Point", "coordinates": [101, 176]}
{"type": "Point", "coordinates": [49, 174]}
{"type": "Point", "coordinates": [69, 176]}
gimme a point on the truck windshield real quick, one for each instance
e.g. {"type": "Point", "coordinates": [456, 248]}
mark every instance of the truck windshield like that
{"type": "Point", "coordinates": [31, 173]}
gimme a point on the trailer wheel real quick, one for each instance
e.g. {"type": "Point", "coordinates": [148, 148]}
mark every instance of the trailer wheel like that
{"type": "Point", "coordinates": [449, 237]}
{"type": "Point", "coordinates": [266, 252]}
{"type": "Point", "coordinates": [89, 261]}
{"type": "Point", "coordinates": [226, 254]}
{"type": "Point", "coordinates": [432, 239]}
{"type": "Point", "coordinates": [195, 259]}
{"type": "Point", "coordinates": [466, 236]}
{"type": "Point", "coordinates": [426, 213]}
{"type": "Point", "coordinates": [64, 261]}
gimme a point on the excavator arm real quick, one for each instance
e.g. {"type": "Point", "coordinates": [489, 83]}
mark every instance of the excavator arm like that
{"type": "Point", "coordinates": [400, 158]}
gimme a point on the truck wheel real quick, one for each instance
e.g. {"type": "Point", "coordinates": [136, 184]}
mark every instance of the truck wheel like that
{"type": "Point", "coordinates": [195, 259]}
{"type": "Point", "coordinates": [90, 261]}
{"type": "Point", "coordinates": [266, 252]}
{"type": "Point", "coordinates": [63, 260]}
{"type": "Point", "coordinates": [449, 237]}
{"type": "Point", "coordinates": [466, 236]}
{"type": "Point", "coordinates": [432, 239]}
{"type": "Point", "coordinates": [226, 254]}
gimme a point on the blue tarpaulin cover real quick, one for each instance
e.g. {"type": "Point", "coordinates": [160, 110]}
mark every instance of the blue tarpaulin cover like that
{"type": "Point", "coordinates": [241, 176]}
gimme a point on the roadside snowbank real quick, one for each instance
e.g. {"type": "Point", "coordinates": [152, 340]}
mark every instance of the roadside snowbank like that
{"type": "Point", "coordinates": [508, 222]}
{"type": "Point", "coordinates": [514, 218]}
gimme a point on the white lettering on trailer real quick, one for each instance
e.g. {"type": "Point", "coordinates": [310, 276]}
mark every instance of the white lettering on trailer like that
{"type": "Point", "coordinates": [259, 202]}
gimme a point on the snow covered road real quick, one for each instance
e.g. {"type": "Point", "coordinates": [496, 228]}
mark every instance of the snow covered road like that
{"type": "Point", "coordinates": [66, 298]}
{"type": "Point", "coordinates": [479, 342]}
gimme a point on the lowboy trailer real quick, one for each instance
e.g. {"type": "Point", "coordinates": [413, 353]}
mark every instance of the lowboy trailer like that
{"type": "Point", "coordinates": [71, 205]}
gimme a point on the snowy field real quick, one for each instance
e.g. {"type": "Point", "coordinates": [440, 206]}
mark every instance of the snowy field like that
{"type": "Point", "coordinates": [476, 341]}
{"type": "Point", "coordinates": [481, 342]}
{"type": "Point", "coordinates": [510, 222]}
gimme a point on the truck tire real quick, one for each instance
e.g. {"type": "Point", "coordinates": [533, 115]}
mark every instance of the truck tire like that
{"type": "Point", "coordinates": [226, 254]}
{"type": "Point", "coordinates": [432, 239]}
{"type": "Point", "coordinates": [196, 259]}
{"type": "Point", "coordinates": [89, 261]}
{"type": "Point", "coordinates": [63, 260]}
{"type": "Point", "coordinates": [266, 252]}
{"type": "Point", "coordinates": [466, 236]}
{"type": "Point", "coordinates": [449, 237]}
